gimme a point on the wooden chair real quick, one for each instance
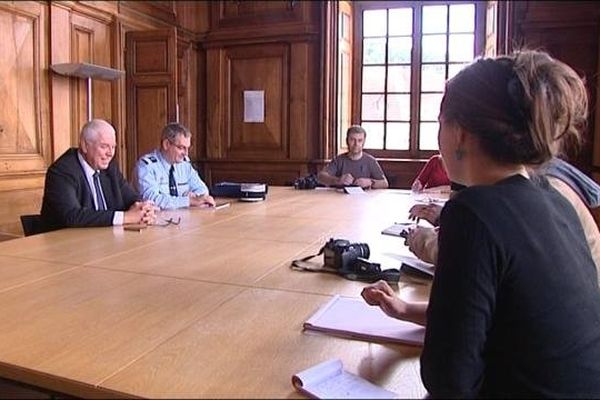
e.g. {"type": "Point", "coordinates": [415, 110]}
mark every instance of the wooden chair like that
{"type": "Point", "coordinates": [32, 224]}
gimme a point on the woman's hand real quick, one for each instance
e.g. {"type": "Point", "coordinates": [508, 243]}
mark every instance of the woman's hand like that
{"type": "Point", "coordinates": [381, 294]}
{"type": "Point", "coordinates": [428, 212]}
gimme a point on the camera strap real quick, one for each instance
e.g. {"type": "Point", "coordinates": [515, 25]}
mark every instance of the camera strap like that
{"type": "Point", "coordinates": [303, 264]}
{"type": "Point", "coordinates": [375, 274]}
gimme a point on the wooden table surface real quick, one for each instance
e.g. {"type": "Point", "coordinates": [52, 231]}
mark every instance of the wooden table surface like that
{"type": "Point", "coordinates": [206, 308]}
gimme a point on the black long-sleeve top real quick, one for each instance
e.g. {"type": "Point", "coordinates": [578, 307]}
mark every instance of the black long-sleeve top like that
{"type": "Point", "coordinates": [515, 307]}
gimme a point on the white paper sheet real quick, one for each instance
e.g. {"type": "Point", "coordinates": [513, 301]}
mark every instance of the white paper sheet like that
{"type": "Point", "coordinates": [254, 106]}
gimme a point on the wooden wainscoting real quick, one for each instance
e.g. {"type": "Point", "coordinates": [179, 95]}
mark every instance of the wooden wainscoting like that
{"type": "Point", "coordinates": [14, 204]}
{"type": "Point", "coordinates": [273, 173]}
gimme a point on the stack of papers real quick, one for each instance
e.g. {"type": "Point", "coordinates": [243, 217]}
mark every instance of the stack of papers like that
{"type": "Point", "coordinates": [354, 318]}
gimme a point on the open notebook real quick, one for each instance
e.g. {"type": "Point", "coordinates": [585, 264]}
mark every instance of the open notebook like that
{"type": "Point", "coordinates": [329, 380]}
{"type": "Point", "coordinates": [354, 318]}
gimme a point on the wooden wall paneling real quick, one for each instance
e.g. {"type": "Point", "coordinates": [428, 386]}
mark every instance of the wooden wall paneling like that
{"type": "Point", "coordinates": [198, 102]}
{"type": "Point", "coordinates": [272, 173]}
{"type": "Point", "coordinates": [96, 9]}
{"type": "Point", "coordinates": [188, 98]}
{"type": "Point", "coordinates": [120, 89]}
{"type": "Point", "coordinates": [215, 100]}
{"type": "Point", "coordinates": [401, 174]}
{"type": "Point", "coordinates": [91, 42]}
{"type": "Point", "coordinates": [261, 67]}
{"type": "Point", "coordinates": [60, 86]}
{"type": "Point", "coordinates": [152, 89]}
{"type": "Point", "coordinates": [555, 27]}
{"type": "Point", "coordinates": [301, 100]}
{"type": "Point", "coordinates": [15, 203]}
{"type": "Point", "coordinates": [244, 13]}
{"type": "Point", "coordinates": [25, 142]}
{"type": "Point", "coordinates": [244, 21]}
{"type": "Point", "coordinates": [122, 25]}
{"type": "Point", "coordinates": [162, 11]}
{"type": "Point", "coordinates": [24, 138]}
{"type": "Point", "coordinates": [183, 80]}
{"type": "Point", "coordinates": [81, 50]}
{"type": "Point", "coordinates": [193, 16]}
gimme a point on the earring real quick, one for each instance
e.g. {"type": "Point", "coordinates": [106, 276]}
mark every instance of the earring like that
{"type": "Point", "coordinates": [459, 154]}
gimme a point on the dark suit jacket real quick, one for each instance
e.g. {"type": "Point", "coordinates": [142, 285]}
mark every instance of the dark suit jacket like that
{"type": "Point", "coordinates": [68, 201]}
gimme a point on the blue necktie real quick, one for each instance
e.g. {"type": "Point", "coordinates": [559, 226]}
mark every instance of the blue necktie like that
{"type": "Point", "coordinates": [98, 188]}
{"type": "Point", "coordinates": [172, 182]}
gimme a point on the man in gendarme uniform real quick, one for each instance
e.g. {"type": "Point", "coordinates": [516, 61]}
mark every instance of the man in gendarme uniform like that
{"type": "Point", "coordinates": [166, 175]}
{"type": "Point", "coordinates": [354, 167]}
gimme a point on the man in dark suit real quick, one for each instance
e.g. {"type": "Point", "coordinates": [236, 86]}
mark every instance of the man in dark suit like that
{"type": "Point", "coordinates": [84, 187]}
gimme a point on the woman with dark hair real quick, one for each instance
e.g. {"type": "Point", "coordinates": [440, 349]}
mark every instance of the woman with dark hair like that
{"type": "Point", "coordinates": [514, 309]}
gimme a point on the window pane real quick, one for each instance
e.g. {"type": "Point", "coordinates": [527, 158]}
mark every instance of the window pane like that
{"type": "Point", "coordinates": [372, 107]}
{"type": "Point", "coordinates": [373, 79]}
{"type": "Point", "coordinates": [397, 137]}
{"type": "Point", "coordinates": [374, 135]}
{"type": "Point", "coordinates": [374, 51]}
{"type": "Point", "coordinates": [428, 135]}
{"type": "Point", "coordinates": [454, 69]}
{"type": "Point", "coordinates": [433, 77]}
{"type": "Point", "coordinates": [461, 47]}
{"type": "Point", "coordinates": [434, 19]}
{"type": "Point", "coordinates": [462, 18]}
{"type": "Point", "coordinates": [374, 23]}
{"type": "Point", "coordinates": [399, 79]}
{"type": "Point", "coordinates": [430, 106]}
{"type": "Point", "coordinates": [398, 107]}
{"type": "Point", "coordinates": [434, 48]}
{"type": "Point", "coordinates": [400, 50]}
{"type": "Point", "coordinates": [400, 21]}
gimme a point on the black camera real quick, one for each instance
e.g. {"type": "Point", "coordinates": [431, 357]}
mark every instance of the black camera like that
{"type": "Point", "coordinates": [308, 182]}
{"type": "Point", "coordinates": [346, 257]}
{"type": "Point", "coordinates": [350, 261]}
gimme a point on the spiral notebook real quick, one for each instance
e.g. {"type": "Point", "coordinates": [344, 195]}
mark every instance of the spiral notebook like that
{"type": "Point", "coordinates": [329, 380]}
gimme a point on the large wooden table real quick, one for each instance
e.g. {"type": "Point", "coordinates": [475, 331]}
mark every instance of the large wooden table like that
{"type": "Point", "coordinates": [208, 308]}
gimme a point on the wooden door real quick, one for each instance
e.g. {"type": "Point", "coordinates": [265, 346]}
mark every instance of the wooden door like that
{"type": "Point", "coordinates": [151, 64]}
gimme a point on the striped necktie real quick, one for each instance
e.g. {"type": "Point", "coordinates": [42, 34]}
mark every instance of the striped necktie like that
{"type": "Point", "coordinates": [99, 197]}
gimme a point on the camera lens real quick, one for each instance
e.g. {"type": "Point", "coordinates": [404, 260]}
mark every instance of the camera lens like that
{"type": "Point", "coordinates": [341, 243]}
{"type": "Point", "coordinates": [360, 249]}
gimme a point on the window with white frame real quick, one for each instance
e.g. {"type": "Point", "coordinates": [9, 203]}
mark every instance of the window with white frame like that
{"type": "Point", "coordinates": [407, 51]}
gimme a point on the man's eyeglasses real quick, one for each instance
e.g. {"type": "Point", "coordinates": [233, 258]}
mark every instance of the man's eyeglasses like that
{"type": "Point", "coordinates": [167, 222]}
{"type": "Point", "coordinates": [180, 146]}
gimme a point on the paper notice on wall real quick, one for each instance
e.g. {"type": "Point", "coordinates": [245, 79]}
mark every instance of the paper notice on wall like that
{"type": "Point", "coordinates": [254, 106]}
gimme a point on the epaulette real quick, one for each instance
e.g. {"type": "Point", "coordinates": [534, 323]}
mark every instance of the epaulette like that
{"type": "Point", "coordinates": [149, 159]}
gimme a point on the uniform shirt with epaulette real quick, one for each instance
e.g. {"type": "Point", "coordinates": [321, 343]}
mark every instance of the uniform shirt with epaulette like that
{"type": "Point", "coordinates": [152, 180]}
